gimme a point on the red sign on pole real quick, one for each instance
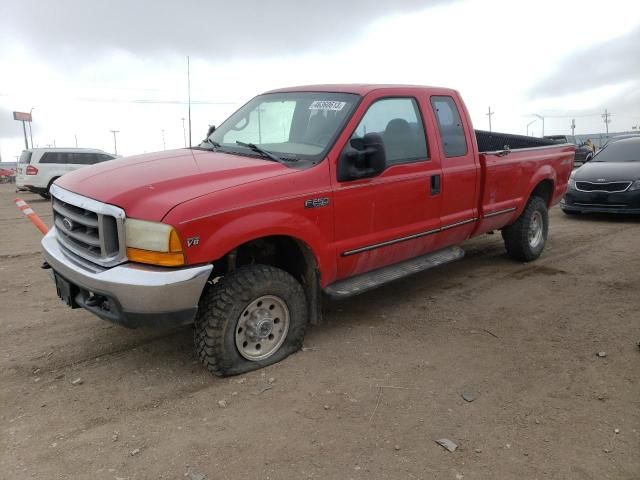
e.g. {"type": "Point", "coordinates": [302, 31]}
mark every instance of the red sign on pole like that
{"type": "Point", "coordinates": [22, 116]}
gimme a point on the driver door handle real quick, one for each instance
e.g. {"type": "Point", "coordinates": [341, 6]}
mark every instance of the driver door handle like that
{"type": "Point", "coordinates": [435, 185]}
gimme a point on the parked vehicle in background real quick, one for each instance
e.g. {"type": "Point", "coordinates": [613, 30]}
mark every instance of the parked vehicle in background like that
{"type": "Point", "coordinates": [330, 189]}
{"type": "Point", "coordinates": [609, 183]}
{"type": "Point", "coordinates": [7, 175]}
{"type": "Point", "coordinates": [621, 137]}
{"type": "Point", "coordinates": [38, 168]}
{"type": "Point", "coordinates": [584, 152]}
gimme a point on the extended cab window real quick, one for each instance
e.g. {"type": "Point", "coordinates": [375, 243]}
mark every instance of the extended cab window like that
{"type": "Point", "coordinates": [398, 122]}
{"type": "Point", "coordinates": [454, 142]}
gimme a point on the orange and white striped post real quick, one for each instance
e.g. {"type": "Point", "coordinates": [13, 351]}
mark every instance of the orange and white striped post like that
{"type": "Point", "coordinates": [31, 215]}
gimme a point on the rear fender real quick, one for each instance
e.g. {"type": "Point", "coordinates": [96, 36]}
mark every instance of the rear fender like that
{"type": "Point", "coordinates": [545, 172]}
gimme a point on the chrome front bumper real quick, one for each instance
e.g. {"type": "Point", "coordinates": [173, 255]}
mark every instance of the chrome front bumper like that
{"type": "Point", "coordinates": [130, 294]}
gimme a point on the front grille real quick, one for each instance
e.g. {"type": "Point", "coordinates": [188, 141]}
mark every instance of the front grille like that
{"type": "Point", "coordinates": [602, 186]}
{"type": "Point", "coordinates": [89, 229]}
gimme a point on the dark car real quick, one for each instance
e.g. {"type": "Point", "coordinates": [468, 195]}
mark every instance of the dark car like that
{"type": "Point", "coordinates": [583, 151]}
{"type": "Point", "coordinates": [621, 137]}
{"type": "Point", "coordinates": [608, 183]}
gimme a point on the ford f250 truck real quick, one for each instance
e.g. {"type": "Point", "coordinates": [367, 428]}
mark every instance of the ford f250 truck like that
{"type": "Point", "coordinates": [304, 192]}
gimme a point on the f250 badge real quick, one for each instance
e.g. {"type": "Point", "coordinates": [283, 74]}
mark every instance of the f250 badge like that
{"type": "Point", "coordinates": [316, 202]}
{"type": "Point", "coordinates": [193, 241]}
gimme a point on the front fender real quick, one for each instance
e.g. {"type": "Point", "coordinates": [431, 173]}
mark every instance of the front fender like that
{"type": "Point", "coordinates": [219, 234]}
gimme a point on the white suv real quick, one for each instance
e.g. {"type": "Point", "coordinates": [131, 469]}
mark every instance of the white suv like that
{"type": "Point", "coordinates": [38, 168]}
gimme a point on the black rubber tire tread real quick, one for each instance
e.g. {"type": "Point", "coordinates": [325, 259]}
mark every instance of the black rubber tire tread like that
{"type": "Point", "coordinates": [515, 236]}
{"type": "Point", "coordinates": [222, 304]}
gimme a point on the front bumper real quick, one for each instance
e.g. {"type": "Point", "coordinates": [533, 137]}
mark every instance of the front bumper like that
{"type": "Point", "coordinates": [601, 202]}
{"type": "Point", "coordinates": [130, 294]}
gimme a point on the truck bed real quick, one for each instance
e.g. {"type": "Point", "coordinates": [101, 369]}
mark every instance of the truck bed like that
{"type": "Point", "coordinates": [509, 176]}
{"type": "Point", "coordinates": [494, 141]}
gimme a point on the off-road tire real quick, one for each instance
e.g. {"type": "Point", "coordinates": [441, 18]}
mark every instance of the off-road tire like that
{"type": "Point", "coordinates": [516, 235]}
{"type": "Point", "coordinates": [221, 306]}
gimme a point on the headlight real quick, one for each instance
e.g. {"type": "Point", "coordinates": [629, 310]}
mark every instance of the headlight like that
{"type": "Point", "coordinates": [571, 183]}
{"type": "Point", "coordinates": [154, 243]}
{"type": "Point", "coordinates": [635, 186]}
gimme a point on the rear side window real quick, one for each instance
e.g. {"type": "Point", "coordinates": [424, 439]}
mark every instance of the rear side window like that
{"type": "Point", "coordinates": [398, 122]}
{"type": "Point", "coordinates": [454, 142]}
{"type": "Point", "coordinates": [53, 157]}
{"type": "Point", "coordinates": [25, 157]}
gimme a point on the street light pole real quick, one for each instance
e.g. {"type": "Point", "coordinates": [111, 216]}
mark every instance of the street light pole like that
{"type": "Point", "coordinates": [541, 118]}
{"type": "Point", "coordinates": [184, 133]}
{"type": "Point", "coordinates": [115, 143]}
{"type": "Point", "coordinates": [164, 146]}
{"type": "Point", "coordinates": [528, 124]}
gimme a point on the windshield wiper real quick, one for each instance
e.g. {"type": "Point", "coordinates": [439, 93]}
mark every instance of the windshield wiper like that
{"type": "Point", "coordinates": [257, 149]}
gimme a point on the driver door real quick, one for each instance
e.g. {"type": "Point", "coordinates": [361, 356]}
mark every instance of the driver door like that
{"type": "Point", "coordinates": [395, 215]}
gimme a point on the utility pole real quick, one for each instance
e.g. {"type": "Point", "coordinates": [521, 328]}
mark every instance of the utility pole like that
{"type": "Point", "coordinates": [76, 137]}
{"type": "Point", "coordinates": [541, 118]}
{"type": "Point", "coordinates": [573, 128]}
{"type": "Point", "coordinates": [489, 115]}
{"type": "Point", "coordinates": [164, 146]}
{"type": "Point", "coordinates": [189, 95]}
{"type": "Point", "coordinates": [184, 133]}
{"type": "Point", "coordinates": [606, 116]}
{"type": "Point", "coordinates": [115, 143]}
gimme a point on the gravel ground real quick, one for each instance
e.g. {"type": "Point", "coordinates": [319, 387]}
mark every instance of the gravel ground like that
{"type": "Point", "coordinates": [372, 390]}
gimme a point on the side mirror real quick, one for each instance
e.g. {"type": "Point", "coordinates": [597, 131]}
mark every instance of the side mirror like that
{"type": "Point", "coordinates": [362, 158]}
{"type": "Point", "coordinates": [212, 128]}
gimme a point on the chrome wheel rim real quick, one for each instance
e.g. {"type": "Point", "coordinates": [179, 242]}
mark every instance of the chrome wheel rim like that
{"type": "Point", "coordinates": [536, 229]}
{"type": "Point", "coordinates": [262, 327]}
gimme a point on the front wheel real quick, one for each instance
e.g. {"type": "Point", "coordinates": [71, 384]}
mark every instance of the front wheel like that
{"type": "Point", "coordinates": [251, 318]}
{"type": "Point", "coordinates": [526, 237]}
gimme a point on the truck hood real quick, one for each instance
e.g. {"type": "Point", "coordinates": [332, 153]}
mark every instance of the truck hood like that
{"type": "Point", "coordinates": [608, 171]}
{"type": "Point", "coordinates": [148, 186]}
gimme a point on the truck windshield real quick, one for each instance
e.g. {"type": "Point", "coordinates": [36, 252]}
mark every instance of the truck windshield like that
{"type": "Point", "coordinates": [621, 151]}
{"type": "Point", "coordinates": [300, 125]}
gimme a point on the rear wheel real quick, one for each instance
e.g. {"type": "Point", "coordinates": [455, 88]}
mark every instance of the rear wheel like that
{"type": "Point", "coordinates": [525, 239]}
{"type": "Point", "coordinates": [251, 318]}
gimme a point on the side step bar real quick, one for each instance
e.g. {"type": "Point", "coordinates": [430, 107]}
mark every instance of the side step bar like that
{"type": "Point", "coordinates": [373, 279]}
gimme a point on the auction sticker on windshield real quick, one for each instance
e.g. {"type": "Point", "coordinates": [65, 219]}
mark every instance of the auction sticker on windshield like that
{"type": "Point", "coordinates": [327, 105]}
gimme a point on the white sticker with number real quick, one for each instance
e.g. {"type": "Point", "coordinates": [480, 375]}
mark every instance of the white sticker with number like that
{"type": "Point", "coordinates": [327, 105]}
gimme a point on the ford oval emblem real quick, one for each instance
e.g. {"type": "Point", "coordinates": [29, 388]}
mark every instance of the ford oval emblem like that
{"type": "Point", "coordinates": [601, 180]}
{"type": "Point", "coordinates": [68, 224]}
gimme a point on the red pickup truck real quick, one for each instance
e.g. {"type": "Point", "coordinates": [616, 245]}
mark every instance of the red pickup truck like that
{"type": "Point", "coordinates": [304, 192]}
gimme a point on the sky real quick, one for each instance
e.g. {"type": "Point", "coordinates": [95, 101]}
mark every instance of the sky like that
{"type": "Point", "coordinates": [86, 67]}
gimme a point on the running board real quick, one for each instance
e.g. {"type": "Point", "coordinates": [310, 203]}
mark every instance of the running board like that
{"type": "Point", "coordinates": [370, 280]}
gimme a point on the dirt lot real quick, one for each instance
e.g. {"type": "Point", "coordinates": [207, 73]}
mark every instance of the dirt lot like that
{"type": "Point", "coordinates": [374, 387]}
